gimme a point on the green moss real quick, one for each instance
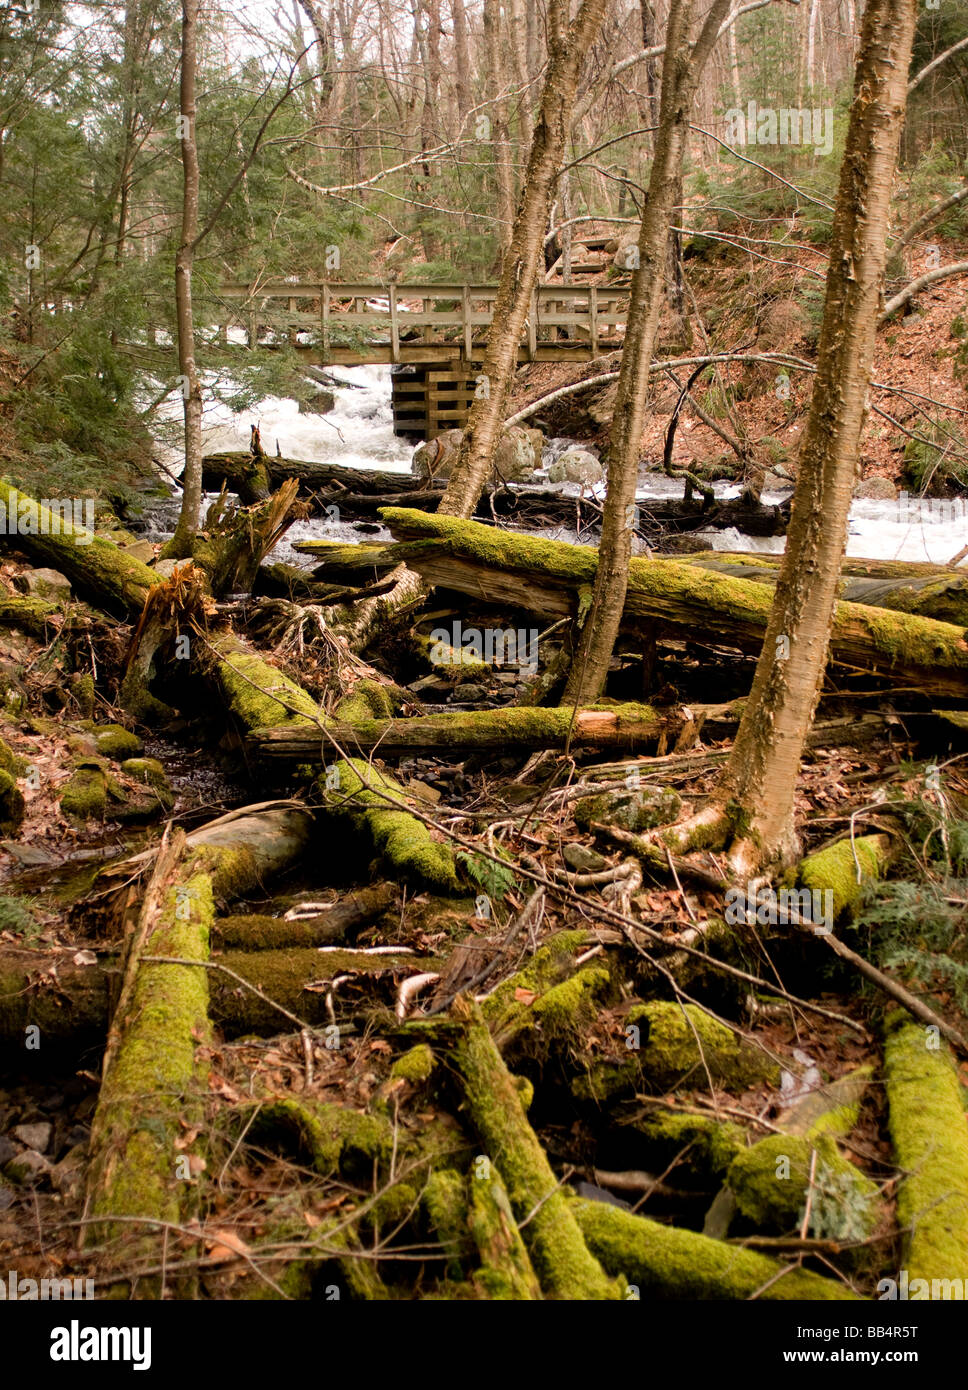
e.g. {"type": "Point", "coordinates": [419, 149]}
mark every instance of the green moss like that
{"type": "Point", "coordinates": [770, 1183]}
{"type": "Point", "coordinates": [669, 1050]}
{"type": "Point", "coordinates": [664, 1262]}
{"type": "Point", "coordinates": [930, 1138]}
{"type": "Point", "coordinates": [551, 965]}
{"type": "Point", "coordinates": [834, 869]}
{"type": "Point", "coordinates": [402, 838]}
{"type": "Point", "coordinates": [368, 700]}
{"type": "Point", "coordinates": [415, 1065]}
{"type": "Point", "coordinates": [11, 762]}
{"type": "Point", "coordinates": [85, 793]}
{"type": "Point", "coordinates": [147, 770]}
{"type": "Point", "coordinates": [31, 614]}
{"type": "Point", "coordinates": [506, 1271]}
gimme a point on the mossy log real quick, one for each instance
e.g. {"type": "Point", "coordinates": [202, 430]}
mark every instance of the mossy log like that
{"type": "Point", "coordinates": [511, 730]}
{"type": "Point", "coordinates": [941, 594]}
{"type": "Point", "coordinates": [545, 577]}
{"type": "Point", "coordinates": [560, 1257]}
{"type": "Point", "coordinates": [926, 1115]}
{"type": "Point", "coordinates": [506, 1271]}
{"type": "Point", "coordinates": [249, 686]}
{"type": "Point", "coordinates": [246, 474]}
{"type": "Point", "coordinates": [96, 567]}
{"type": "Point", "coordinates": [664, 1262]}
{"type": "Point", "coordinates": [153, 1079]}
{"type": "Point", "coordinates": [844, 870]}
{"type": "Point", "coordinates": [377, 804]}
{"type": "Point", "coordinates": [32, 615]}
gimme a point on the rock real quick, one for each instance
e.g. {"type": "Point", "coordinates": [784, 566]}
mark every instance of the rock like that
{"type": "Point", "coordinates": [67, 1176]}
{"type": "Point", "coordinates": [469, 694]}
{"type": "Point", "coordinates": [517, 456]}
{"type": "Point", "coordinates": [46, 583]}
{"type": "Point", "coordinates": [27, 1168]}
{"type": "Point", "coordinates": [582, 859]}
{"type": "Point", "coordinates": [7, 1195]}
{"type": "Point", "coordinates": [34, 1136]}
{"type": "Point", "coordinates": [166, 568]}
{"type": "Point", "coordinates": [8, 1150]}
{"type": "Point", "coordinates": [320, 404]}
{"type": "Point", "coordinates": [641, 808]}
{"type": "Point", "coordinates": [31, 856]}
{"type": "Point", "coordinates": [140, 550]}
{"type": "Point", "coordinates": [876, 490]}
{"type": "Point", "coordinates": [576, 466]}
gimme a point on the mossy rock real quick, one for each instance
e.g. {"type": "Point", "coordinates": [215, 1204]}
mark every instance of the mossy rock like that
{"type": "Point", "coordinates": [548, 1001]}
{"type": "Point", "coordinates": [770, 1182]}
{"type": "Point", "coordinates": [11, 762]}
{"type": "Point", "coordinates": [669, 1051]}
{"type": "Point", "coordinates": [114, 741]}
{"type": "Point", "coordinates": [12, 804]}
{"type": "Point", "coordinates": [641, 808]}
{"type": "Point", "coordinates": [150, 772]}
{"type": "Point", "coordinates": [85, 794]}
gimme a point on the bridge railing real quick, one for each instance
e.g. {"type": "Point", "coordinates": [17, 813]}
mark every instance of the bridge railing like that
{"type": "Point", "coordinates": [412, 322]}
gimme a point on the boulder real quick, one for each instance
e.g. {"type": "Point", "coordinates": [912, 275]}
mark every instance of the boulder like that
{"type": "Point", "coordinates": [875, 490]}
{"type": "Point", "coordinates": [635, 809]}
{"type": "Point", "coordinates": [576, 465]}
{"type": "Point", "coordinates": [46, 583]}
{"type": "Point", "coordinates": [518, 455]}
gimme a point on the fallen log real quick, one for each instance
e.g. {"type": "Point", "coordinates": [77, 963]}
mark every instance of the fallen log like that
{"type": "Point", "coordinates": [545, 577]}
{"type": "Point", "coordinates": [665, 1262]}
{"type": "Point", "coordinates": [97, 568]}
{"type": "Point", "coordinates": [927, 1125]}
{"type": "Point", "coordinates": [925, 590]}
{"type": "Point", "coordinates": [510, 730]}
{"type": "Point", "coordinates": [559, 1255]}
{"type": "Point", "coordinates": [252, 477]}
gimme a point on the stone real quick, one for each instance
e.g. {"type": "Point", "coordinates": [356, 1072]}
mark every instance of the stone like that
{"type": "Point", "coordinates": [48, 584]}
{"type": "Point", "coordinates": [8, 1150]}
{"type": "Point", "coordinates": [320, 404]}
{"type": "Point", "coordinates": [140, 550]}
{"type": "Point", "coordinates": [67, 1176]}
{"type": "Point", "coordinates": [583, 860]}
{"type": "Point", "coordinates": [576, 466]}
{"type": "Point", "coordinates": [875, 490]}
{"type": "Point", "coordinates": [34, 1136]}
{"type": "Point", "coordinates": [28, 1168]}
{"type": "Point", "coordinates": [469, 694]}
{"type": "Point", "coordinates": [114, 741]}
{"type": "Point", "coordinates": [147, 770]}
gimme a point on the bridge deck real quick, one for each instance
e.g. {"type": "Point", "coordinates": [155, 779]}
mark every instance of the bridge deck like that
{"type": "Point", "coordinates": [431, 323]}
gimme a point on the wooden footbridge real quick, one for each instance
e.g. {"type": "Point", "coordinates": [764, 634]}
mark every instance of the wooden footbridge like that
{"type": "Point", "coordinates": [435, 333]}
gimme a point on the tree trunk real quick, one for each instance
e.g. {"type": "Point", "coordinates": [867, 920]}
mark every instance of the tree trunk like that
{"type": "Point", "coordinates": [188, 518]}
{"type": "Point", "coordinates": [519, 270]}
{"type": "Point", "coordinates": [681, 70]}
{"type": "Point", "coordinates": [501, 138]}
{"type": "Point", "coordinates": [760, 778]}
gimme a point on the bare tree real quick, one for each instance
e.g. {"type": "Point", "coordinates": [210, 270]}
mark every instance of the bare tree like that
{"type": "Point", "coordinates": [682, 68]}
{"type": "Point", "coordinates": [567, 45]}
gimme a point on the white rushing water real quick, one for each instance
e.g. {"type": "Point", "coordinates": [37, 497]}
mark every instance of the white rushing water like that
{"type": "Point", "coordinates": [358, 433]}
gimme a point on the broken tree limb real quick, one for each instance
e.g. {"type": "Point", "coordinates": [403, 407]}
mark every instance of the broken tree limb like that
{"type": "Point", "coordinates": [545, 577]}
{"type": "Point", "coordinates": [561, 1259]}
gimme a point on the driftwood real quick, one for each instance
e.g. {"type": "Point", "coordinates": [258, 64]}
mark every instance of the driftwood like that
{"type": "Point", "coordinates": [546, 577]}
